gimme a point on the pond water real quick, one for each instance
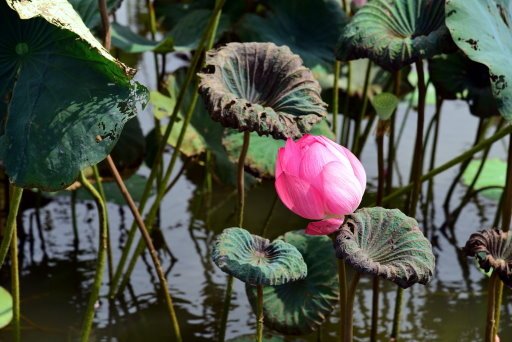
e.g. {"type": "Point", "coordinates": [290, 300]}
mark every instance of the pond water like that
{"type": "Point", "coordinates": [57, 274]}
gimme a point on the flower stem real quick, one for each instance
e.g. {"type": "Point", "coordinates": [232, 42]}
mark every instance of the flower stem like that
{"type": "Point", "coordinates": [356, 141]}
{"type": "Point", "coordinates": [345, 129]}
{"type": "Point", "coordinates": [491, 303]}
{"type": "Point", "coordinates": [264, 231]}
{"type": "Point", "coordinates": [335, 99]}
{"type": "Point", "coordinates": [375, 309]}
{"type": "Point", "coordinates": [259, 322]}
{"type": "Point", "coordinates": [350, 307]}
{"type": "Point", "coordinates": [101, 260]}
{"type": "Point", "coordinates": [15, 277]}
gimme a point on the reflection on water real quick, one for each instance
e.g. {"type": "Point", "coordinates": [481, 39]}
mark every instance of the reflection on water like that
{"type": "Point", "coordinates": [57, 273]}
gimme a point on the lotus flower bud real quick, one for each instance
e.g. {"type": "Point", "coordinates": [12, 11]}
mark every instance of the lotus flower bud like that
{"type": "Point", "coordinates": [319, 180]}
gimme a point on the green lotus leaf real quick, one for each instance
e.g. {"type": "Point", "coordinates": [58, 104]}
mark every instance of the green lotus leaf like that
{"type": "Point", "coordinates": [5, 307]}
{"type": "Point", "coordinates": [127, 40]}
{"type": "Point", "coordinates": [310, 28]}
{"type": "Point", "coordinates": [494, 173]}
{"type": "Point", "coordinates": [395, 33]}
{"type": "Point", "coordinates": [65, 91]}
{"type": "Point", "coordinates": [257, 261]}
{"type": "Point", "coordinates": [481, 29]}
{"type": "Point", "coordinates": [261, 87]}
{"type": "Point", "coordinates": [492, 249]}
{"type": "Point", "coordinates": [261, 156]}
{"type": "Point", "coordinates": [457, 77]}
{"type": "Point", "coordinates": [385, 104]}
{"type": "Point", "coordinates": [300, 307]}
{"type": "Point", "coordinates": [386, 243]}
{"type": "Point", "coordinates": [88, 10]}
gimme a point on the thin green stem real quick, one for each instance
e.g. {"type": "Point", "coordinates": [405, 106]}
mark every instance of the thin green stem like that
{"type": "Point", "coordinates": [264, 231]}
{"type": "Point", "coordinates": [345, 129]}
{"type": "Point", "coordinates": [491, 303]}
{"type": "Point", "coordinates": [455, 161]}
{"type": "Point", "coordinates": [398, 312]}
{"type": "Point", "coordinates": [259, 321]}
{"type": "Point", "coordinates": [225, 308]}
{"type": "Point", "coordinates": [14, 205]}
{"type": "Point", "coordinates": [357, 127]}
{"type": "Point", "coordinates": [351, 294]}
{"type": "Point", "coordinates": [209, 32]}
{"type": "Point", "coordinates": [335, 98]}
{"type": "Point", "coordinates": [241, 177]}
{"type": "Point", "coordinates": [101, 260]}
{"type": "Point", "coordinates": [15, 285]}
{"type": "Point", "coordinates": [375, 309]}
{"type": "Point", "coordinates": [342, 283]}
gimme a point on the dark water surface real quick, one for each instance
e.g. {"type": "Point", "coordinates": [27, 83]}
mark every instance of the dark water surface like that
{"type": "Point", "coordinates": [57, 275]}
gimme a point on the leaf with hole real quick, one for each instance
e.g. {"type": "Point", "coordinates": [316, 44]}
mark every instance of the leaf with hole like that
{"type": "Point", "coordinates": [395, 33]}
{"type": "Point", "coordinates": [65, 92]}
{"type": "Point", "coordinates": [482, 30]}
{"type": "Point", "coordinates": [262, 88]}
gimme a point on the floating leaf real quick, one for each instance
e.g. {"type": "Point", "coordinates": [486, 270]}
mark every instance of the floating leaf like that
{"type": "Point", "coordinates": [310, 28]}
{"type": "Point", "coordinates": [395, 33]}
{"type": "Point", "coordinates": [300, 307]}
{"type": "Point", "coordinates": [386, 243]}
{"type": "Point", "coordinates": [481, 29]}
{"type": "Point", "coordinates": [5, 307]}
{"type": "Point", "coordinates": [385, 104]}
{"type": "Point", "coordinates": [494, 173]}
{"type": "Point", "coordinates": [457, 77]}
{"type": "Point", "coordinates": [261, 156]}
{"type": "Point", "coordinates": [492, 248]}
{"type": "Point", "coordinates": [255, 260]}
{"type": "Point", "coordinates": [66, 92]}
{"type": "Point", "coordinates": [127, 40]}
{"type": "Point", "coordinates": [261, 87]}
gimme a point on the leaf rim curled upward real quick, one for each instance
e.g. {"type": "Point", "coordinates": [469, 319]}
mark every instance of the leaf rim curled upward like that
{"type": "Point", "coordinates": [255, 260]}
{"type": "Point", "coordinates": [369, 237]}
{"type": "Point", "coordinates": [261, 87]}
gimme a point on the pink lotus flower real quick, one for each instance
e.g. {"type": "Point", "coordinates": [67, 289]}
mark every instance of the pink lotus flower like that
{"type": "Point", "coordinates": [319, 180]}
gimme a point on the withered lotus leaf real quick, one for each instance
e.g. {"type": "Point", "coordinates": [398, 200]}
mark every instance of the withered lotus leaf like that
{"type": "Point", "coordinates": [386, 243]}
{"type": "Point", "coordinates": [257, 261]}
{"type": "Point", "coordinates": [395, 33]}
{"type": "Point", "coordinates": [492, 249]}
{"type": "Point", "coordinates": [261, 87]}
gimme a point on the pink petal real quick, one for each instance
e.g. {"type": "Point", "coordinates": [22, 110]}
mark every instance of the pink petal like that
{"type": "Point", "coordinates": [300, 197]}
{"type": "Point", "coordinates": [342, 192]}
{"type": "Point", "coordinates": [358, 168]}
{"type": "Point", "coordinates": [313, 161]}
{"type": "Point", "coordinates": [289, 158]}
{"type": "Point", "coordinates": [324, 227]}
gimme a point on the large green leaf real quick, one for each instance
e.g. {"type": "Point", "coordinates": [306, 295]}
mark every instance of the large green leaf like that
{"type": "Point", "coordinates": [482, 29]}
{"type": "Point", "coordinates": [492, 249]}
{"type": "Point", "coordinates": [310, 28]}
{"type": "Point", "coordinates": [300, 307]}
{"type": "Point", "coordinates": [257, 261]}
{"type": "Point", "coordinates": [386, 243]}
{"type": "Point", "coordinates": [5, 307]}
{"type": "Point", "coordinates": [65, 90]}
{"type": "Point", "coordinates": [395, 33]}
{"type": "Point", "coordinates": [261, 156]}
{"type": "Point", "coordinates": [262, 88]}
{"type": "Point", "coordinates": [494, 173]}
{"type": "Point", "coordinates": [457, 77]}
